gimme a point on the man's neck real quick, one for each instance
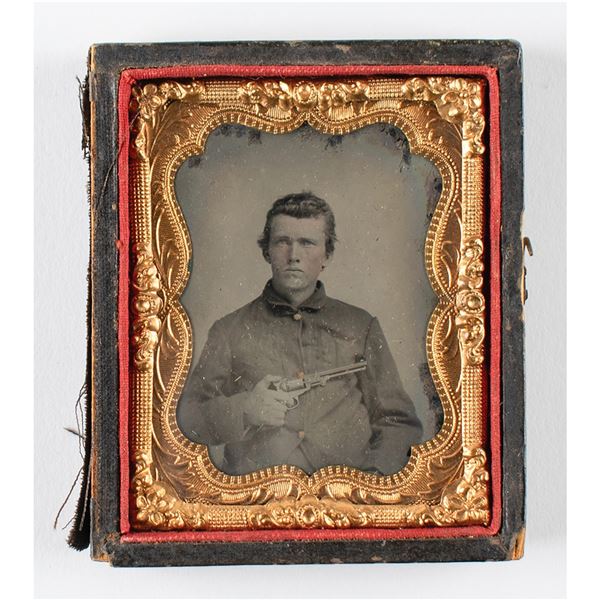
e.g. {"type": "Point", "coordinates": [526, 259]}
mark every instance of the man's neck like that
{"type": "Point", "coordinates": [296, 297]}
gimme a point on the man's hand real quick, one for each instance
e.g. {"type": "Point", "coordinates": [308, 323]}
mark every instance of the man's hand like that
{"type": "Point", "coordinates": [266, 406]}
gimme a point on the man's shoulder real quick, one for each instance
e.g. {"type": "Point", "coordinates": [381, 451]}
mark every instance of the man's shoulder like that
{"type": "Point", "coordinates": [234, 318]}
{"type": "Point", "coordinates": [350, 312]}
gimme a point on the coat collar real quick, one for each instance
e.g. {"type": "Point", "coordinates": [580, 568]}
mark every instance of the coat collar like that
{"type": "Point", "coordinates": [279, 304]}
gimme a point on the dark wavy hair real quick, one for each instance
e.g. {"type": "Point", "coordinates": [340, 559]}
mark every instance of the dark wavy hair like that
{"type": "Point", "coordinates": [301, 206]}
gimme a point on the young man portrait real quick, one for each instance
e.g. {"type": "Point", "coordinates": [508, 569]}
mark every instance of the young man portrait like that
{"type": "Point", "coordinates": [296, 377]}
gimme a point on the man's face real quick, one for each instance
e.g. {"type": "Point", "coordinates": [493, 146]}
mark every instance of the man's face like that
{"type": "Point", "coordinates": [297, 253]}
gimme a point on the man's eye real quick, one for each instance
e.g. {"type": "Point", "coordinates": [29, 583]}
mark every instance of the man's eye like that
{"type": "Point", "coordinates": [308, 243]}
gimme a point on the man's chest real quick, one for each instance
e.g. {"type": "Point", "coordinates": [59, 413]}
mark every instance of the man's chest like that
{"type": "Point", "coordinates": [291, 345]}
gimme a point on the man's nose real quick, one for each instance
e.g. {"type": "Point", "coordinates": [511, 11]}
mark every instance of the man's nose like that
{"type": "Point", "coordinates": [294, 256]}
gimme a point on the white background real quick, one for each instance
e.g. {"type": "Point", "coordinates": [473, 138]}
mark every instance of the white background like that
{"type": "Point", "coordinates": [63, 34]}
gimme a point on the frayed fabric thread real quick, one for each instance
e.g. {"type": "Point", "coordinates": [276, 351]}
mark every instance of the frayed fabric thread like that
{"type": "Point", "coordinates": [79, 534]}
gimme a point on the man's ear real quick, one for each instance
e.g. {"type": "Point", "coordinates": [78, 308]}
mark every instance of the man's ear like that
{"type": "Point", "coordinates": [267, 257]}
{"type": "Point", "coordinates": [326, 262]}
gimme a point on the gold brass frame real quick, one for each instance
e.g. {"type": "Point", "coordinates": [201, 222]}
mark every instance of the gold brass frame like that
{"type": "Point", "coordinates": [174, 485]}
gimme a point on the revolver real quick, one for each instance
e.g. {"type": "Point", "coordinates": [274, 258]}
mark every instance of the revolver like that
{"type": "Point", "coordinates": [294, 388]}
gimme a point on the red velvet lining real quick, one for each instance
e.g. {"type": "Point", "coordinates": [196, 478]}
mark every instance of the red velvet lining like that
{"type": "Point", "coordinates": [495, 300]}
{"type": "Point", "coordinates": [132, 76]}
{"type": "Point", "coordinates": [123, 299]}
{"type": "Point", "coordinates": [275, 535]}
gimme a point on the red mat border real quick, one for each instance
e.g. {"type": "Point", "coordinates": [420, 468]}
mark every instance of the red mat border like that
{"type": "Point", "coordinates": [129, 78]}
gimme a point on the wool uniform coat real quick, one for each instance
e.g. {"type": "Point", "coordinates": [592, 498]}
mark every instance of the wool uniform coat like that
{"type": "Point", "coordinates": [363, 420]}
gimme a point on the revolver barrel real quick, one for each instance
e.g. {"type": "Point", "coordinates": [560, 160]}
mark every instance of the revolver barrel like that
{"type": "Point", "coordinates": [338, 371]}
{"type": "Point", "coordinates": [299, 386]}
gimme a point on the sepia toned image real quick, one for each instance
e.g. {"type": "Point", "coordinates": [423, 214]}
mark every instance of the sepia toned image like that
{"type": "Point", "coordinates": [308, 299]}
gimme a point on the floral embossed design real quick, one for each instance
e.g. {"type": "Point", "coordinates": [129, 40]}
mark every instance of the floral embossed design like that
{"type": "Point", "coordinates": [458, 100]}
{"type": "Point", "coordinates": [304, 96]}
{"type": "Point", "coordinates": [470, 302]}
{"type": "Point", "coordinates": [457, 97]}
{"type": "Point", "coordinates": [145, 306]}
{"type": "Point", "coordinates": [338, 95]}
{"type": "Point", "coordinates": [155, 506]}
{"type": "Point", "coordinates": [148, 99]}
{"type": "Point", "coordinates": [148, 104]}
{"type": "Point", "coordinates": [463, 502]}
{"type": "Point", "coordinates": [310, 512]}
{"type": "Point", "coordinates": [471, 268]}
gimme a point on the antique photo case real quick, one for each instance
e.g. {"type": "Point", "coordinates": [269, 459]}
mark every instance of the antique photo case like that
{"type": "Point", "coordinates": [306, 276]}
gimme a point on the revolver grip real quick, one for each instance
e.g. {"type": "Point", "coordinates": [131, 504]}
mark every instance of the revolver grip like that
{"type": "Point", "coordinates": [284, 386]}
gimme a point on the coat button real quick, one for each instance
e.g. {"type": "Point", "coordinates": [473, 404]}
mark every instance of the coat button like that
{"type": "Point", "coordinates": [301, 435]}
{"type": "Point", "coordinates": [297, 316]}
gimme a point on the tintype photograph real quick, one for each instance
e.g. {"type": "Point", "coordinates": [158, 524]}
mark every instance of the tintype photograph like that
{"type": "Point", "coordinates": [308, 299]}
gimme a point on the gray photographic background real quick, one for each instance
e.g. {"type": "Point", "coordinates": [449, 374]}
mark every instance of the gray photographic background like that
{"type": "Point", "coordinates": [382, 198]}
{"type": "Point", "coordinates": [63, 33]}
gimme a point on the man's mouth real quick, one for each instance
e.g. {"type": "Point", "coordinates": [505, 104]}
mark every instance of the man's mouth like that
{"type": "Point", "coordinates": [294, 270]}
